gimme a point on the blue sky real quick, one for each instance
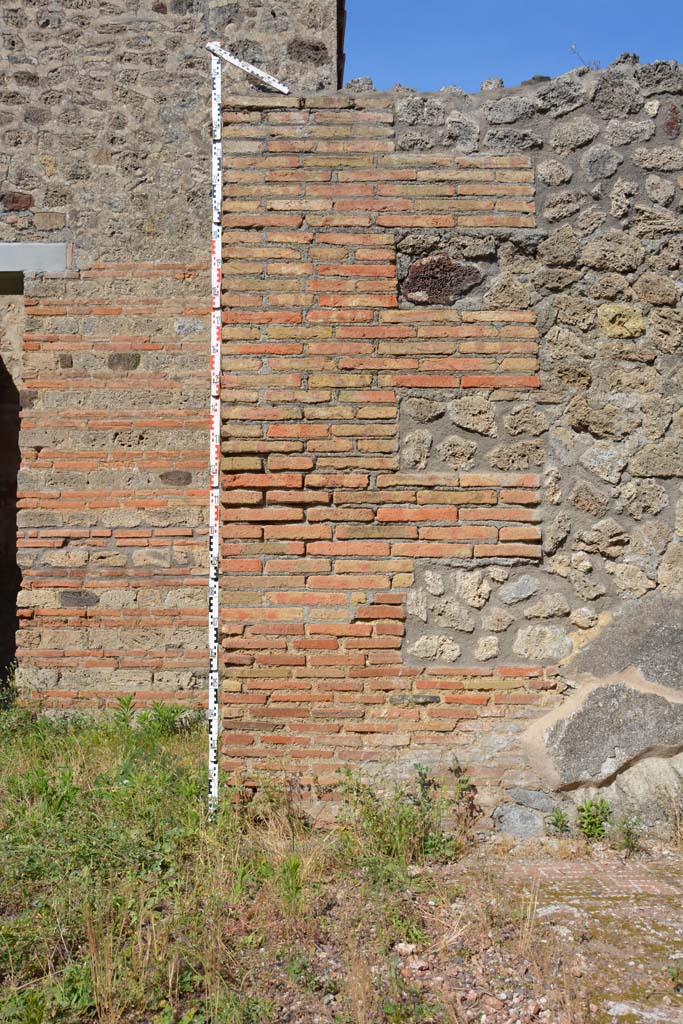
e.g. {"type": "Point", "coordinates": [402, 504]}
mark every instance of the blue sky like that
{"type": "Point", "coordinates": [430, 43]}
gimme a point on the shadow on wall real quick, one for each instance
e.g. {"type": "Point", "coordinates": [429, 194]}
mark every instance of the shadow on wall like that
{"type": "Point", "coordinates": [10, 576]}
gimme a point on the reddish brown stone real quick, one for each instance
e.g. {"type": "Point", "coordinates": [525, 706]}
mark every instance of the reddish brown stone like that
{"type": "Point", "coordinates": [672, 121]}
{"type": "Point", "coordinates": [307, 51]}
{"type": "Point", "coordinates": [440, 280]}
{"type": "Point", "coordinates": [17, 201]}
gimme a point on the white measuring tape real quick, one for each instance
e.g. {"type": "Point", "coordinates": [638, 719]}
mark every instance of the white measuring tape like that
{"type": "Point", "coordinates": [215, 430]}
{"type": "Point", "coordinates": [218, 54]}
{"type": "Point", "coordinates": [217, 50]}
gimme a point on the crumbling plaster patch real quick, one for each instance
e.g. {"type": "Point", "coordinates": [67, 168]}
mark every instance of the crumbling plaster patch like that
{"type": "Point", "coordinates": [604, 728]}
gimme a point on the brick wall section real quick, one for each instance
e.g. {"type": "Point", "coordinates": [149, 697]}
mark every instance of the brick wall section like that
{"type": "Point", "coordinates": [105, 111]}
{"type": "Point", "coordinates": [113, 487]}
{"type": "Point", "coordinates": [322, 529]}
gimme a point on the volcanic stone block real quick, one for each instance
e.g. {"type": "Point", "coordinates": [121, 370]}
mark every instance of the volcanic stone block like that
{"type": "Point", "coordinates": [439, 280]}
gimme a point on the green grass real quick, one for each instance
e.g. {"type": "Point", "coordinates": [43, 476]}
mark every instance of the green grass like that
{"type": "Point", "coordinates": [111, 877]}
{"type": "Point", "coordinates": [120, 901]}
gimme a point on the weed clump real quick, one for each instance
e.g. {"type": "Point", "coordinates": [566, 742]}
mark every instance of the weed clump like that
{"type": "Point", "coordinates": [559, 821]}
{"type": "Point", "coordinates": [592, 818]}
{"type": "Point", "coordinates": [8, 686]}
{"type": "Point", "coordinates": [110, 877]}
{"type": "Point", "coordinates": [627, 833]}
{"type": "Point", "coordinates": [594, 821]}
{"type": "Point", "coordinates": [406, 825]}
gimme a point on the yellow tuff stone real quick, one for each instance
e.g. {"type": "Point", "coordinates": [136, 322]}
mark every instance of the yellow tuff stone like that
{"type": "Point", "coordinates": [618, 320]}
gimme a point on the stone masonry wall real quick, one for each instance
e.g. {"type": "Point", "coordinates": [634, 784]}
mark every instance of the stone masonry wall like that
{"type": "Point", "coordinates": [452, 415]}
{"type": "Point", "coordinates": [113, 484]}
{"type": "Point", "coordinates": [104, 108]}
{"type": "Point", "coordinates": [452, 510]}
{"type": "Point", "coordinates": [602, 274]}
{"type": "Point", "coordinates": [105, 122]}
{"type": "Point", "coordinates": [324, 531]}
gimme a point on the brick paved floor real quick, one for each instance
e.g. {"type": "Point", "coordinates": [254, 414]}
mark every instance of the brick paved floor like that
{"type": "Point", "coordinates": [614, 878]}
{"type": "Point", "coordinates": [623, 924]}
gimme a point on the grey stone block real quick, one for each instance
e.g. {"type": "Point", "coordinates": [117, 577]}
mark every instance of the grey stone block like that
{"type": "Point", "coordinates": [32, 257]}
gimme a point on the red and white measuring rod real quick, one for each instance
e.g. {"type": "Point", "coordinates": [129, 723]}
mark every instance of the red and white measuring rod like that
{"type": "Point", "coordinates": [218, 54]}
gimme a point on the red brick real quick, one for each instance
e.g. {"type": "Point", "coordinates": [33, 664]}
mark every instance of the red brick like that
{"type": "Point", "coordinates": [520, 533]}
{"type": "Point", "coordinates": [350, 629]}
{"type": "Point", "coordinates": [412, 515]}
{"type": "Point", "coordinates": [467, 698]}
{"type": "Point", "coordinates": [507, 551]}
{"type": "Point", "coordinates": [348, 582]}
{"type": "Point", "coordinates": [299, 430]}
{"type": "Point", "coordinates": [500, 380]}
{"type": "Point", "coordinates": [263, 480]}
{"type": "Point", "coordinates": [367, 548]}
{"type": "Point", "coordinates": [524, 515]}
{"type": "Point", "coordinates": [520, 497]}
{"type": "Point", "coordinates": [425, 549]}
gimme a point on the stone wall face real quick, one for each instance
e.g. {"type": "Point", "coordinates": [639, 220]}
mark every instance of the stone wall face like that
{"type": "Point", "coordinates": [104, 113]}
{"type": "Point", "coordinates": [601, 270]}
{"type": "Point", "coordinates": [105, 120]}
{"type": "Point", "coordinates": [453, 424]}
{"type": "Point", "coordinates": [452, 416]}
{"type": "Point", "coordinates": [113, 488]}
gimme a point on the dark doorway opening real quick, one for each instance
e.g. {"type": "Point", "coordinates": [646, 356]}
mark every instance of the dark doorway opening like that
{"type": "Point", "coordinates": [11, 282]}
{"type": "Point", "coordinates": [11, 328]}
{"type": "Point", "coordinates": [9, 468]}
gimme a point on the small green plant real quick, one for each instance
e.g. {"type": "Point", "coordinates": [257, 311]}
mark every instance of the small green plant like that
{"type": "Point", "coordinates": [404, 928]}
{"type": "Point", "coordinates": [627, 835]}
{"type": "Point", "coordinates": [402, 827]}
{"type": "Point", "coordinates": [300, 970]}
{"type": "Point", "coordinates": [162, 719]}
{"type": "Point", "coordinates": [405, 1003]}
{"type": "Point", "coordinates": [277, 802]}
{"type": "Point", "coordinates": [676, 975]}
{"type": "Point", "coordinates": [289, 882]}
{"type": "Point", "coordinates": [593, 817]}
{"type": "Point", "coordinates": [124, 713]}
{"type": "Point", "coordinates": [8, 686]}
{"type": "Point", "coordinates": [559, 821]}
{"type": "Point", "coordinates": [74, 993]}
{"type": "Point", "coordinates": [29, 1009]}
{"type": "Point", "coordinates": [231, 1008]}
